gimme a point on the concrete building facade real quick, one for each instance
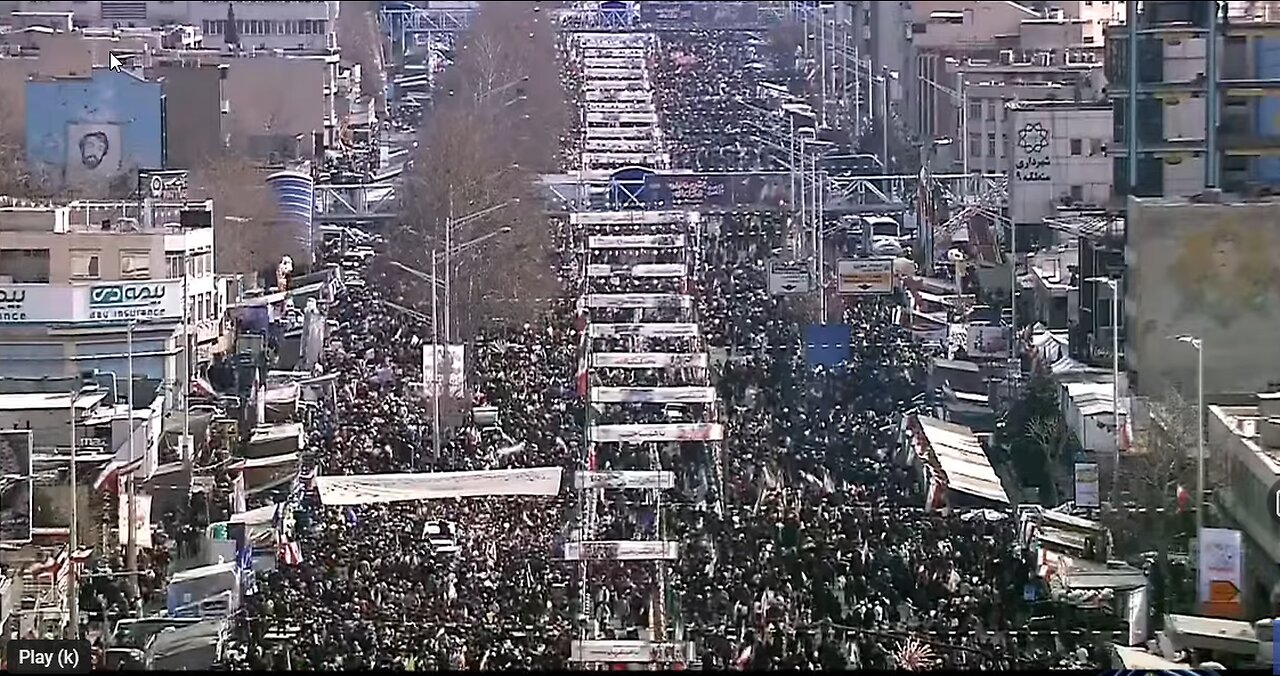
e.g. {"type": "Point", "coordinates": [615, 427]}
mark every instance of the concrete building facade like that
{"type": "Point", "coordinates": [90, 134]}
{"type": "Point", "coordinates": [1208, 270]}
{"type": "Point", "coordinates": [1055, 155]}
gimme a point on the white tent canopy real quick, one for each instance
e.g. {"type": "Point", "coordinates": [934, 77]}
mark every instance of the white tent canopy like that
{"type": "Point", "coordinates": [364, 489]}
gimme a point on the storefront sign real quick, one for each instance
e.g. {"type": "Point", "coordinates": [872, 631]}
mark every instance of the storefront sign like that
{"type": "Point", "coordinates": [98, 302]}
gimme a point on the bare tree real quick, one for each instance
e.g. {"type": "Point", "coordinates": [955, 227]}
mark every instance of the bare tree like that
{"type": "Point", "coordinates": [247, 237]}
{"type": "Point", "coordinates": [1148, 479]}
{"type": "Point", "coordinates": [495, 125]}
{"type": "Point", "coordinates": [1051, 434]}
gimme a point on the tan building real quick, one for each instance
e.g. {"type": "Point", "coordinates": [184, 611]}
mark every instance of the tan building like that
{"type": "Point", "coordinates": [266, 25]}
{"type": "Point", "coordinates": [1207, 270]}
{"type": "Point", "coordinates": [72, 276]}
{"type": "Point", "coordinates": [1001, 43]}
{"type": "Point", "coordinates": [1055, 155]}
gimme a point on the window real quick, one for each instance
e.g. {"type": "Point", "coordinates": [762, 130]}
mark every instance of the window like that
{"type": "Point", "coordinates": [991, 145]}
{"type": "Point", "coordinates": [25, 266]}
{"type": "Point", "coordinates": [1077, 146]}
{"type": "Point", "coordinates": [975, 112]}
{"type": "Point", "coordinates": [135, 264]}
{"type": "Point", "coordinates": [975, 145]}
{"type": "Point", "coordinates": [1077, 193]}
{"type": "Point", "coordinates": [85, 265]}
{"type": "Point", "coordinates": [172, 265]}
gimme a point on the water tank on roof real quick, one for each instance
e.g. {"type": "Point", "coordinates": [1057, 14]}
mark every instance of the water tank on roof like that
{"type": "Point", "coordinates": [294, 196]}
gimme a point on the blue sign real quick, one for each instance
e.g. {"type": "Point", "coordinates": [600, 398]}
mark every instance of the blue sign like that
{"type": "Point", "coordinates": [826, 344]}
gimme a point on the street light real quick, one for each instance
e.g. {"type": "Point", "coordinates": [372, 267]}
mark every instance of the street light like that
{"type": "Point", "coordinates": [1114, 285]}
{"type": "Point", "coordinates": [1198, 344]}
{"type": "Point", "coordinates": [450, 226]}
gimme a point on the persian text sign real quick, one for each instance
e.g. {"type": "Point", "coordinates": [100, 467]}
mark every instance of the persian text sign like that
{"type": "Point", "coordinates": [97, 302]}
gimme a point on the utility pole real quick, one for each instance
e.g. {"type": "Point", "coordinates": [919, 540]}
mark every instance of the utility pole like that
{"type": "Point", "coordinates": [73, 537]}
{"type": "Point", "coordinates": [131, 553]}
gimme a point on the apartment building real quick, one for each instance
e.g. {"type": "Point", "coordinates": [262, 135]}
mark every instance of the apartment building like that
{"type": "Point", "coordinates": [73, 276]}
{"type": "Point", "coordinates": [1001, 43]}
{"type": "Point", "coordinates": [265, 25]}
{"type": "Point", "coordinates": [1172, 132]}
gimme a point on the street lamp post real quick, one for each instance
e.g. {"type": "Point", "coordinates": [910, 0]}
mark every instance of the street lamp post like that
{"type": "Point", "coordinates": [1114, 286]}
{"type": "Point", "coordinates": [132, 551]}
{"type": "Point", "coordinates": [73, 536]}
{"type": "Point", "coordinates": [1198, 344]}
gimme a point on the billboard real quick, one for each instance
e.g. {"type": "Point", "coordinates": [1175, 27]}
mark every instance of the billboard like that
{"type": "Point", "coordinates": [639, 270]}
{"type": "Point", "coordinates": [688, 394]}
{"type": "Point", "coordinates": [449, 362]}
{"type": "Point", "coordinates": [648, 360]}
{"type": "Point", "coordinates": [637, 479]}
{"type": "Point", "coordinates": [626, 652]}
{"type": "Point", "coordinates": [635, 242]}
{"type": "Point", "coordinates": [645, 330]}
{"type": "Point", "coordinates": [16, 486]}
{"type": "Point", "coordinates": [640, 433]}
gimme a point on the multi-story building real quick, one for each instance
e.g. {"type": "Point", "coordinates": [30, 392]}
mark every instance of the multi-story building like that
{"type": "Point", "coordinates": [73, 276]}
{"type": "Point", "coordinates": [988, 88]}
{"type": "Point", "coordinates": [267, 25]}
{"type": "Point", "coordinates": [1173, 122]}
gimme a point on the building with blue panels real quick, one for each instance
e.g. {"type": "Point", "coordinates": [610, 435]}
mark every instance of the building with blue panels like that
{"type": "Point", "coordinates": [91, 135]}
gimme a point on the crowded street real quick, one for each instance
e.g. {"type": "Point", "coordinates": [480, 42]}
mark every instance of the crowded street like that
{"type": "Point", "coordinates": [723, 502]}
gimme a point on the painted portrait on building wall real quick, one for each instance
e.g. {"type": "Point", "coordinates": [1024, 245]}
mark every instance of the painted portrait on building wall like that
{"type": "Point", "coordinates": [94, 153]}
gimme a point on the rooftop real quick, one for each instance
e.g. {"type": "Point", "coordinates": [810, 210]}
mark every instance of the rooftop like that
{"type": "Point", "coordinates": [49, 401]}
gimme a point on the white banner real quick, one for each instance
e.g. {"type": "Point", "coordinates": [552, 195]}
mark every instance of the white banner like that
{"type": "Point", "coordinates": [628, 217]}
{"type": "Point", "coordinates": [644, 330]}
{"type": "Point", "coordinates": [642, 133]}
{"type": "Point", "coordinates": [616, 159]}
{"type": "Point", "coordinates": [648, 360]}
{"type": "Point", "coordinates": [619, 107]}
{"type": "Point", "coordinates": [622, 550]}
{"type": "Point", "coordinates": [613, 52]}
{"type": "Point", "coordinates": [645, 480]}
{"type": "Point", "coordinates": [614, 61]}
{"type": "Point", "coordinates": [654, 395]}
{"type": "Point", "coordinates": [364, 489]}
{"type": "Point", "coordinates": [1087, 485]}
{"type": "Point", "coordinates": [608, 145]}
{"type": "Point", "coordinates": [651, 432]}
{"type": "Point", "coordinates": [638, 300]}
{"type": "Point", "coordinates": [449, 363]}
{"type": "Point", "coordinates": [650, 119]}
{"type": "Point", "coordinates": [640, 270]}
{"type": "Point", "coordinates": [617, 95]}
{"type": "Point", "coordinates": [635, 242]}
{"type": "Point", "coordinates": [141, 515]}
{"type": "Point", "coordinates": [617, 85]}
{"type": "Point", "coordinates": [631, 652]}
{"type": "Point", "coordinates": [599, 74]}
{"type": "Point", "coordinates": [610, 40]}
{"type": "Point", "coordinates": [858, 276]}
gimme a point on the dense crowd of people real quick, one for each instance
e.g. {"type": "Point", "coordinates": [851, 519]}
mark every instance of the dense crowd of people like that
{"type": "Point", "coordinates": [804, 541]}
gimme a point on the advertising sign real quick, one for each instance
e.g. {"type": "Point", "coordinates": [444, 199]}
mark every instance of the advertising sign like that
{"type": "Point", "coordinates": [864, 276]}
{"type": "Point", "coordinates": [638, 479]}
{"type": "Point", "coordinates": [1220, 572]}
{"type": "Point", "coordinates": [1087, 485]}
{"type": "Point", "coordinates": [450, 363]}
{"type": "Point", "coordinates": [113, 301]}
{"type": "Point", "coordinates": [700, 15]}
{"type": "Point", "coordinates": [15, 486]}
